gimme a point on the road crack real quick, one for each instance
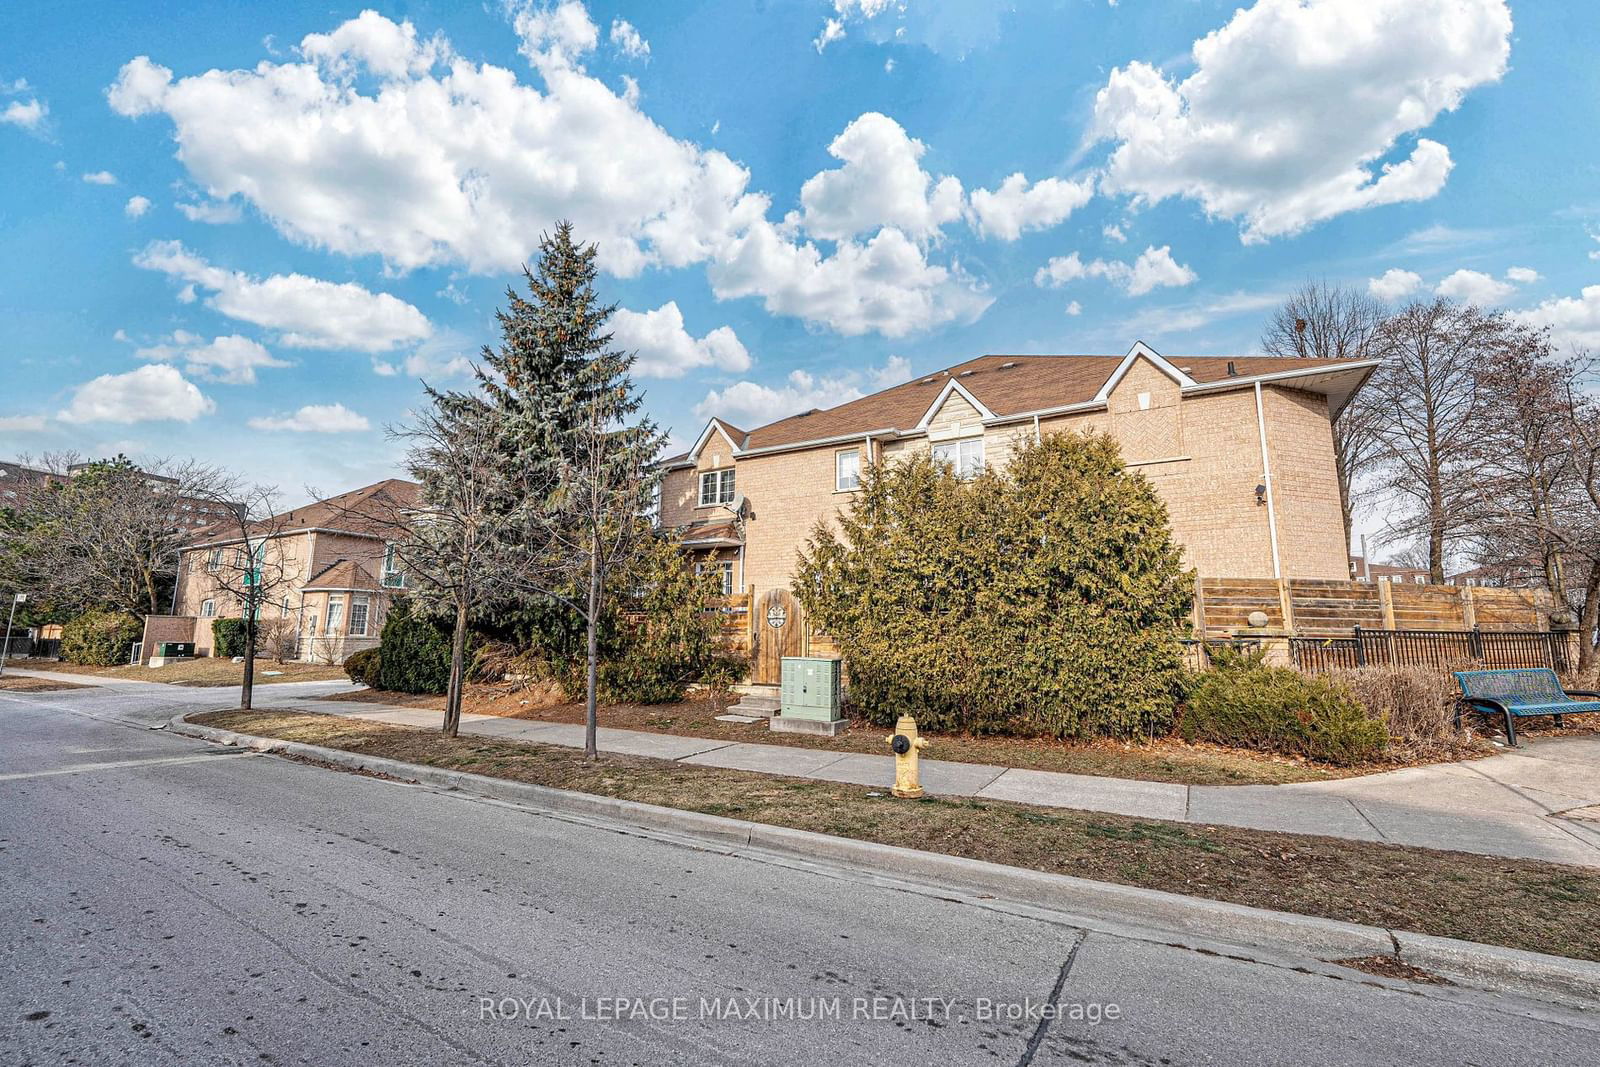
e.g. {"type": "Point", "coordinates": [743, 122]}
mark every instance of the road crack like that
{"type": "Point", "coordinates": [1055, 995]}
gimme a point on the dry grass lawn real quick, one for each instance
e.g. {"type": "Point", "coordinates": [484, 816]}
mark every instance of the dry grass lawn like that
{"type": "Point", "coordinates": [209, 671]}
{"type": "Point", "coordinates": [1160, 760]}
{"type": "Point", "coordinates": [15, 683]}
{"type": "Point", "coordinates": [1542, 907]}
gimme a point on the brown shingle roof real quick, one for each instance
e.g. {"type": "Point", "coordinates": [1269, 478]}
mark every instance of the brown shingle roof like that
{"type": "Point", "coordinates": [373, 509]}
{"type": "Point", "coordinates": [1006, 385]}
{"type": "Point", "coordinates": [341, 575]}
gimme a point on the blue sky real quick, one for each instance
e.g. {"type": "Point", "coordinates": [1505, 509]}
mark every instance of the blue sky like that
{"type": "Point", "coordinates": [243, 233]}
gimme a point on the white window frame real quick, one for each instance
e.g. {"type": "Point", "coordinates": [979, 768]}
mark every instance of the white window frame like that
{"type": "Point", "coordinates": [214, 560]}
{"type": "Point", "coordinates": [208, 608]}
{"type": "Point", "coordinates": [963, 454]}
{"type": "Point", "coordinates": [365, 604]}
{"type": "Point", "coordinates": [839, 485]}
{"type": "Point", "coordinates": [392, 576]}
{"type": "Point", "coordinates": [335, 613]}
{"type": "Point", "coordinates": [722, 487]}
{"type": "Point", "coordinates": [723, 567]}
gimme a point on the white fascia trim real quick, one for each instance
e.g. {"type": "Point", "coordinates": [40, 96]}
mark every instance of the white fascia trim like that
{"type": "Point", "coordinates": [1060, 409]}
{"type": "Point", "coordinates": [949, 387]}
{"type": "Point", "coordinates": [1161, 363]}
{"type": "Point", "coordinates": [705, 435]}
{"type": "Point", "coordinates": [837, 439]}
{"type": "Point", "coordinates": [1367, 365]}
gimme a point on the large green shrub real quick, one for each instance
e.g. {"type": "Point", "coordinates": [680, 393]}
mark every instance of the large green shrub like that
{"type": "Point", "coordinates": [1043, 599]}
{"type": "Point", "coordinates": [100, 638]}
{"type": "Point", "coordinates": [1243, 702]}
{"type": "Point", "coordinates": [667, 630]}
{"type": "Point", "coordinates": [364, 667]}
{"type": "Point", "coordinates": [413, 653]}
{"type": "Point", "coordinates": [227, 637]}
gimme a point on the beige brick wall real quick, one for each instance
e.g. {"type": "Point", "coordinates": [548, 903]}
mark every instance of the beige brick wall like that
{"type": "Point", "coordinates": [680, 489]}
{"type": "Point", "coordinates": [1305, 485]}
{"type": "Point", "coordinates": [1201, 453]}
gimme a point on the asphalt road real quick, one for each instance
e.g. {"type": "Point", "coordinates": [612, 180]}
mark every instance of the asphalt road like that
{"type": "Point", "coordinates": [167, 901]}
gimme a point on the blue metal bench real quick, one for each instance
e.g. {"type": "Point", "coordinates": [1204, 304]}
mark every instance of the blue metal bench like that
{"type": "Point", "coordinates": [1514, 694]}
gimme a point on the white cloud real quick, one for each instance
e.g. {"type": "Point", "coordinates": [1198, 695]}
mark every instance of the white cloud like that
{"type": "Point", "coordinates": [1187, 317]}
{"type": "Point", "coordinates": [1474, 287]}
{"type": "Point", "coordinates": [231, 359]}
{"type": "Point", "coordinates": [626, 40]}
{"type": "Point", "coordinates": [1573, 321]}
{"type": "Point", "coordinates": [306, 312]}
{"type": "Point", "coordinates": [1291, 108]}
{"type": "Point", "coordinates": [885, 284]}
{"type": "Point", "coordinates": [136, 206]}
{"type": "Point", "coordinates": [100, 177]}
{"type": "Point", "coordinates": [1522, 275]}
{"type": "Point", "coordinates": [215, 212]}
{"type": "Point", "coordinates": [1114, 233]}
{"type": "Point", "coordinates": [25, 114]}
{"type": "Point", "coordinates": [832, 30]}
{"type": "Point", "coordinates": [749, 404]}
{"type": "Point", "coordinates": [1594, 235]}
{"type": "Point", "coordinates": [882, 183]}
{"type": "Point", "coordinates": [1014, 207]}
{"type": "Point", "coordinates": [1394, 284]}
{"type": "Point", "coordinates": [152, 393]}
{"type": "Point", "coordinates": [23, 423]}
{"type": "Point", "coordinates": [1074, 308]}
{"type": "Point", "coordinates": [375, 142]}
{"type": "Point", "coordinates": [666, 349]}
{"type": "Point", "coordinates": [1155, 268]}
{"type": "Point", "coordinates": [314, 418]}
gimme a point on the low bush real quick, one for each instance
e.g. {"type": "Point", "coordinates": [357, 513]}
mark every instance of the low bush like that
{"type": "Point", "coordinates": [413, 653]}
{"type": "Point", "coordinates": [1416, 706]}
{"type": "Point", "coordinates": [1246, 704]}
{"type": "Point", "coordinates": [227, 637]}
{"type": "Point", "coordinates": [364, 667]}
{"type": "Point", "coordinates": [100, 638]}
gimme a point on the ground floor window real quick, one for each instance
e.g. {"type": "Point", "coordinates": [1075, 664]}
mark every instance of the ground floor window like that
{"type": "Point", "coordinates": [723, 568]}
{"type": "Point", "coordinates": [358, 616]}
{"type": "Point", "coordinates": [335, 613]}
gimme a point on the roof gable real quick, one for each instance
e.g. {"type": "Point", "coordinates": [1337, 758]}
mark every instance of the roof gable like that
{"type": "Point", "coordinates": [952, 386]}
{"type": "Point", "coordinates": [1139, 351]}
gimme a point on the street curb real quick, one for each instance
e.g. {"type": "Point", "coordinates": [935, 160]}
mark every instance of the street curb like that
{"type": "Point", "coordinates": [1552, 978]}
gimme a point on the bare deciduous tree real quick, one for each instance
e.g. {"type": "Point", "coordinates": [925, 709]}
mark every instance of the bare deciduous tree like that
{"type": "Point", "coordinates": [249, 560]}
{"type": "Point", "coordinates": [1426, 403]}
{"type": "Point", "coordinates": [1322, 321]}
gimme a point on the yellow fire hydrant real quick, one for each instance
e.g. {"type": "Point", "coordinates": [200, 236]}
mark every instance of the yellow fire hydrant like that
{"type": "Point", "coordinates": [905, 744]}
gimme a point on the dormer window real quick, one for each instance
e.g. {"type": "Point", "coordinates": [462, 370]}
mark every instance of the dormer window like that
{"type": "Point", "coordinates": [716, 487]}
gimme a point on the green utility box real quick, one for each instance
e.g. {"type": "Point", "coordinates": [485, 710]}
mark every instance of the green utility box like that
{"type": "Point", "coordinates": [175, 649]}
{"type": "Point", "coordinates": [810, 688]}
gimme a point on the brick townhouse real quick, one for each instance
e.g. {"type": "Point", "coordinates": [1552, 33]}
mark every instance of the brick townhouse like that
{"type": "Point", "coordinates": [339, 576]}
{"type": "Point", "coordinates": [1240, 449]}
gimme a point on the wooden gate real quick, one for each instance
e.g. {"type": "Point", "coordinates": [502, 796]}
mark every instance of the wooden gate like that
{"type": "Point", "coordinates": [779, 631]}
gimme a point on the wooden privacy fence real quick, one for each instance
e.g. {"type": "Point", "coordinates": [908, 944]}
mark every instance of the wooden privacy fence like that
{"type": "Point", "coordinates": [1304, 607]}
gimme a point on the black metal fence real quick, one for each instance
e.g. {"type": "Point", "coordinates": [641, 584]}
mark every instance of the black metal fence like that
{"type": "Point", "coordinates": [20, 646]}
{"type": "Point", "coordinates": [1436, 649]}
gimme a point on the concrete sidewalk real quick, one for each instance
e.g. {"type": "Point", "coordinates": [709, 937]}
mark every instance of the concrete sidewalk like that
{"type": "Point", "coordinates": [1529, 803]}
{"type": "Point", "coordinates": [1540, 801]}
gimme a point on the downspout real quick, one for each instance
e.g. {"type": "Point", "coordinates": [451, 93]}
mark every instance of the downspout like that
{"type": "Point", "coordinates": [1266, 480]}
{"type": "Point", "coordinates": [1036, 438]}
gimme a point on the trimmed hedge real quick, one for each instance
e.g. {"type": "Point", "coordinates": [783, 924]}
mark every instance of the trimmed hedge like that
{"type": "Point", "coordinates": [1244, 703]}
{"type": "Point", "coordinates": [364, 667]}
{"type": "Point", "coordinates": [227, 636]}
{"type": "Point", "coordinates": [413, 653]}
{"type": "Point", "coordinates": [100, 638]}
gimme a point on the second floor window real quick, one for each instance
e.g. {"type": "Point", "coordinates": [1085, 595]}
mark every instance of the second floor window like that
{"type": "Point", "coordinates": [964, 456]}
{"type": "Point", "coordinates": [847, 470]}
{"type": "Point", "coordinates": [214, 560]}
{"type": "Point", "coordinates": [716, 487]}
{"type": "Point", "coordinates": [208, 609]}
{"type": "Point", "coordinates": [393, 576]}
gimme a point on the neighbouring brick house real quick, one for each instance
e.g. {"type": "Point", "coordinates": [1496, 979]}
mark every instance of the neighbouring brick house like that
{"type": "Point", "coordinates": [1241, 451]}
{"type": "Point", "coordinates": [340, 577]}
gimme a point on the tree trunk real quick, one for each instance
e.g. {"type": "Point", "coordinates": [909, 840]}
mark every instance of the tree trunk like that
{"type": "Point", "coordinates": [1588, 621]}
{"type": "Point", "coordinates": [591, 718]}
{"type": "Point", "coordinates": [247, 691]}
{"type": "Point", "coordinates": [1341, 467]}
{"type": "Point", "coordinates": [458, 662]}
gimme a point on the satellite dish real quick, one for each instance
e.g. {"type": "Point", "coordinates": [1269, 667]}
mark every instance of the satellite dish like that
{"type": "Point", "coordinates": [736, 505]}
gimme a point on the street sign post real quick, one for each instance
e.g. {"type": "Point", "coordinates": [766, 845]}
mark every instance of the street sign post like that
{"type": "Point", "coordinates": [5, 648]}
